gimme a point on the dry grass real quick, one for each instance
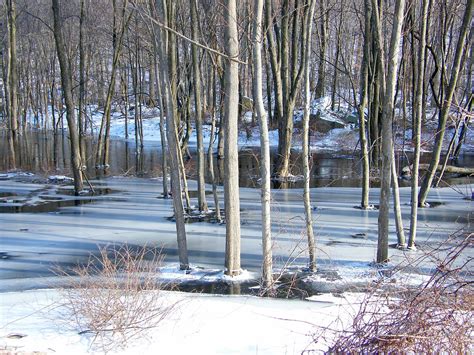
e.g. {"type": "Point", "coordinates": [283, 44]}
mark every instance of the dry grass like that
{"type": "Point", "coordinates": [116, 297]}
{"type": "Point", "coordinates": [437, 316]}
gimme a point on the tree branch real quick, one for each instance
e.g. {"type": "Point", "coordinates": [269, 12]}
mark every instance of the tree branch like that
{"type": "Point", "coordinates": [155, 21]}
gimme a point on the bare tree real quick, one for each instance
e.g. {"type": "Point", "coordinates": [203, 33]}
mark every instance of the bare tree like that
{"type": "Point", "coordinates": [389, 80]}
{"type": "Point", "coordinates": [202, 204]}
{"type": "Point", "coordinates": [323, 40]}
{"type": "Point", "coordinates": [103, 145]}
{"type": "Point", "coordinates": [417, 123]}
{"type": "Point", "coordinates": [173, 148]}
{"type": "Point", "coordinates": [66, 80]}
{"type": "Point", "coordinates": [306, 152]}
{"type": "Point", "coordinates": [363, 90]}
{"type": "Point", "coordinates": [265, 173]}
{"type": "Point", "coordinates": [446, 104]}
{"type": "Point", "coordinates": [231, 158]}
{"type": "Point", "coordinates": [12, 83]}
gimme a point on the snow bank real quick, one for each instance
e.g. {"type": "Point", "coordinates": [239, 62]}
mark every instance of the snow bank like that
{"type": "Point", "coordinates": [201, 324]}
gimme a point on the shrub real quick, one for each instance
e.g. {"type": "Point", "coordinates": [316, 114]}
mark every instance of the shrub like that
{"type": "Point", "coordinates": [115, 296]}
{"type": "Point", "coordinates": [437, 316]}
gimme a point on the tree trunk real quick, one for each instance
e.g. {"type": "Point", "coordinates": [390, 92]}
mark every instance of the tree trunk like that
{"type": "Point", "coordinates": [401, 241]}
{"type": "Point", "coordinates": [82, 91]}
{"type": "Point", "coordinates": [267, 264]}
{"type": "Point", "coordinates": [231, 184]}
{"type": "Point", "coordinates": [12, 84]}
{"type": "Point", "coordinates": [388, 84]}
{"type": "Point", "coordinates": [210, 154]}
{"type": "Point", "coordinates": [306, 153]}
{"type": "Point", "coordinates": [103, 145]}
{"type": "Point", "coordinates": [202, 204]}
{"type": "Point", "coordinates": [66, 79]}
{"type": "Point", "coordinates": [274, 63]}
{"type": "Point", "coordinates": [364, 82]}
{"type": "Point", "coordinates": [164, 155]}
{"type": "Point", "coordinates": [446, 105]}
{"type": "Point", "coordinates": [322, 50]}
{"type": "Point", "coordinates": [417, 124]}
{"type": "Point", "coordinates": [290, 88]}
{"type": "Point", "coordinates": [173, 154]}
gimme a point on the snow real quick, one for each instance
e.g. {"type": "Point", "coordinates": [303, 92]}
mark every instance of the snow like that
{"type": "Point", "coordinates": [337, 139]}
{"type": "Point", "coordinates": [200, 324]}
{"type": "Point", "coordinates": [59, 178]}
{"type": "Point", "coordinates": [172, 272]}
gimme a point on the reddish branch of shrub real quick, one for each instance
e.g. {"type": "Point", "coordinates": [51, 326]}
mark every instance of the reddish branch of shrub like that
{"type": "Point", "coordinates": [437, 316]}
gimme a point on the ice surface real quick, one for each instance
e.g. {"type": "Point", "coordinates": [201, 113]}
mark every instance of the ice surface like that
{"type": "Point", "coordinates": [136, 215]}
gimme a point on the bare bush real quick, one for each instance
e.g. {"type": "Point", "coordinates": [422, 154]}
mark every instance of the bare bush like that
{"type": "Point", "coordinates": [436, 316]}
{"type": "Point", "coordinates": [115, 296]}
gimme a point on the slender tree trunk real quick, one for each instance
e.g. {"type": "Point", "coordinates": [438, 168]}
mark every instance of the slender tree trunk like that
{"type": "Point", "coordinates": [12, 83]}
{"type": "Point", "coordinates": [173, 153]}
{"type": "Point", "coordinates": [231, 184]}
{"type": "Point", "coordinates": [417, 124]}
{"type": "Point", "coordinates": [401, 242]}
{"type": "Point", "coordinates": [274, 63]}
{"type": "Point", "coordinates": [103, 145]}
{"type": "Point", "coordinates": [305, 147]}
{"type": "Point", "coordinates": [82, 92]}
{"type": "Point", "coordinates": [388, 84]}
{"type": "Point", "coordinates": [124, 84]}
{"type": "Point", "coordinates": [164, 155]}
{"type": "Point", "coordinates": [322, 51]}
{"type": "Point", "coordinates": [66, 79]}
{"type": "Point", "coordinates": [151, 81]}
{"type": "Point", "coordinates": [446, 105]}
{"type": "Point", "coordinates": [364, 83]}
{"type": "Point", "coordinates": [267, 264]}
{"type": "Point", "coordinates": [202, 204]}
{"type": "Point", "coordinates": [336, 61]}
{"type": "Point", "coordinates": [210, 154]}
{"type": "Point", "coordinates": [290, 89]}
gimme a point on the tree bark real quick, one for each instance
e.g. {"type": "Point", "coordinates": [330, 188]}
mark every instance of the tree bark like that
{"type": "Point", "coordinates": [173, 148]}
{"type": "Point", "coordinates": [417, 124]}
{"type": "Point", "coordinates": [274, 63]}
{"type": "Point", "coordinates": [267, 264]}
{"type": "Point", "coordinates": [306, 153]}
{"type": "Point", "coordinates": [103, 145]}
{"type": "Point", "coordinates": [66, 79]}
{"type": "Point", "coordinates": [364, 83]}
{"type": "Point", "coordinates": [210, 154]}
{"type": "Point", "coordinates": [82, 82]}
{"type": "Point", "coordinates": [322, 51]}
{"type": "Point", "coordinates": [231, 184]}
{"type": "Point", "coordinates": [290, 90]}
{"type": "Point", "coordinates": [12, 84]}
{"type": "Point", "coordinates": [401, 240]}
{"type": "Point", "coordinates": [446, 105]}
{"type": "Point", "coordinates": [388, 85]}
{"type": "Point", "coordinates": [202, 204]}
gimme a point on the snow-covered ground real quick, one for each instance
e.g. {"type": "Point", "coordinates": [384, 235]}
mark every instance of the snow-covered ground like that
{"type": "Point", "coordinates": [336, 140]}
{"type": "Point", "coordinates": [200, 324]}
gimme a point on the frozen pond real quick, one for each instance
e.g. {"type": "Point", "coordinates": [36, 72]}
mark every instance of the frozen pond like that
{"type": "Point", "coordinates": [33, 243]}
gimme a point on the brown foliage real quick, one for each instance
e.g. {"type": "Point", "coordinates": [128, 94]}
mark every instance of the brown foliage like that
{"type": "Point", "coordinates": [116, 296]}
{"type": "Point", "coordinates": [436, 316]}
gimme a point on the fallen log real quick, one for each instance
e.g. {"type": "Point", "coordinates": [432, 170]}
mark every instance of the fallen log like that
{"type": "Point", "coordinates": [451, 169]}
